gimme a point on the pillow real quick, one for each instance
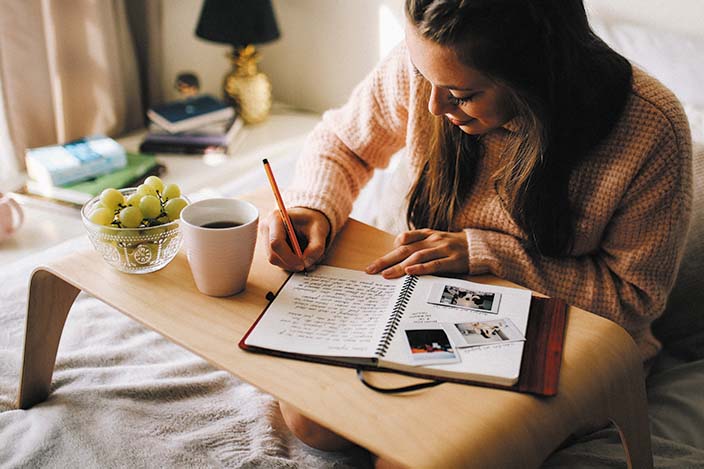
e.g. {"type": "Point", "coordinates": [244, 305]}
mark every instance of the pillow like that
{"type": "Point", "coordinates": [673, 58]}
{"type": "Point", "coordinates": [696, 122]}
{"type": "Point", "coordinates": [681, 327]}
{"type": "Point", "coordinates": [382, 202]}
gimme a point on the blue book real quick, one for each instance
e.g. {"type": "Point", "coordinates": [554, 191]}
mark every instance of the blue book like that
{"type": "Point", "coordinates": [74, 161]}
{"type": "Point", "coordinates": [191, 113]}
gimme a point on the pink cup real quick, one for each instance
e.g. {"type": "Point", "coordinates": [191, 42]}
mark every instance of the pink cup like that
{"type": "Point", "coordinates": [220, 257]}
{"type": "Point", "coordinates": [11, 216]}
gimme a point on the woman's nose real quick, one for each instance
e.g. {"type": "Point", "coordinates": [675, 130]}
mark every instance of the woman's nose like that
{"type": "Point", "coordinates": [437, 103]}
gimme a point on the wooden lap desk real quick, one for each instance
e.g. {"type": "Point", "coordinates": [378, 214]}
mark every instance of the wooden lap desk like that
{"type": "Point", "coordinates": [450, 425]}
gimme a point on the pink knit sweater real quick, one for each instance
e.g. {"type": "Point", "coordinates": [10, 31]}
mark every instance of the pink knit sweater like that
{"type": "Point", "coordinates": [632, 195]}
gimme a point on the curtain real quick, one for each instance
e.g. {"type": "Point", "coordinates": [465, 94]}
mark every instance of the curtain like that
{"type": "Point", "coordinates": [145, 20]}
{"type": "Point", "coordinates": [9, 169]}
{"type": "Point", "coordinates": [68, 69]}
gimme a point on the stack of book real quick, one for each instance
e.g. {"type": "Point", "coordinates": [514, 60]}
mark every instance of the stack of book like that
{"type": "Point", "coordinates": [74, 161]}
{"type": "Point", "coordinates": [138, 168]}
{"type": "Point", "coordinates": [192, 126]}
{"type": "Point", "coordinates": [75, 172]}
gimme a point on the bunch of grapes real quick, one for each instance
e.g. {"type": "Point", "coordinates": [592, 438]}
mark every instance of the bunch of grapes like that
{"type": "Point", "coordinates": [153, 203]}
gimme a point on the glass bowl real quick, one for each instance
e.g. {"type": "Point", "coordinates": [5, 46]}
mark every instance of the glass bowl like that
{"type": "Point", "coordinates": [134, 250]}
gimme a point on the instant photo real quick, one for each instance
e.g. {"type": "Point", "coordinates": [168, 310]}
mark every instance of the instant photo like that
{"type": "Point", "coordinates": [495, 331]}
{"type": "Point", "coordinates": [430, 346]}
{"type": "Point", "coordinates": [457, 297]}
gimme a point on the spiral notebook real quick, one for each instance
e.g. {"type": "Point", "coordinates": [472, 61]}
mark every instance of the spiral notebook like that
{"type": "Point", "coordinates": [432, 327]}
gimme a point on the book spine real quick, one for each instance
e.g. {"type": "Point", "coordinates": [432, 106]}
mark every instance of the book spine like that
{"type": "Point", "coordinates": [147, 147]}
{"type": "Point", "coordinates": [407, 288]}
{"type": "Point", "coordinates": [186, 140]}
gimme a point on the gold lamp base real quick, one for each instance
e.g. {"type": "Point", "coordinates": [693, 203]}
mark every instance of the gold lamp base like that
{"type": "Point", "coordinates": [248, 89]}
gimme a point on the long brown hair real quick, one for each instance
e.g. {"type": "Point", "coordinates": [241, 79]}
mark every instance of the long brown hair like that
{"type": "Point", "coordinates": [567, 85]}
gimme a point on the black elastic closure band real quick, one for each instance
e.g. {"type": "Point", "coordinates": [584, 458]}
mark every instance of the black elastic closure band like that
{"type": "Point", "coordinates": [412, 387]}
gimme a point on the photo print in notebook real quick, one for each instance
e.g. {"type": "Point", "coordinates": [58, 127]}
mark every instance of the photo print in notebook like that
{"type": "Point", "coordinates": [429, 345]}
{"type": "Point", "coordinates": [489, 332]}
{"type": "Point", "coordinates": [457, 297]}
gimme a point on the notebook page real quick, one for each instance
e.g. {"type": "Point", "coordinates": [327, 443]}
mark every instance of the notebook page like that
{"type": "Point", "coordinates": [497, 363]}
{"type": "Point", "coordinates": [328, 312]}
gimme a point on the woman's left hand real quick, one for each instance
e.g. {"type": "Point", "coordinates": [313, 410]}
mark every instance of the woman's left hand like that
{"type": "Point", "coordinates": [426, 251]}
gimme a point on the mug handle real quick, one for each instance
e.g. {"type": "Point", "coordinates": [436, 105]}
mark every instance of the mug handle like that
{"type": "Point", "coordinates": [18, 211]}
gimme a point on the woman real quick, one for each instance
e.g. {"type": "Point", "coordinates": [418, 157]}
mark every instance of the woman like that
{"type": "Point", "coordinates": [545, 159]}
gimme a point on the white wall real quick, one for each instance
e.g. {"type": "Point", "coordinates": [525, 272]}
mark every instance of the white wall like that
{"type": "Point", "coordinates": [183, 51]}
{"type": "Point", "coordinates": [327, 46]}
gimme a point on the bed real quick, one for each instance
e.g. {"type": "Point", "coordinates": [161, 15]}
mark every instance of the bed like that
{"type": "Point", "coordinates": [122, 396]}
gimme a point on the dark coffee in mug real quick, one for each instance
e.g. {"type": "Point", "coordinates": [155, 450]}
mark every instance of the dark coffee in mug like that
{"type": "Point", "coordinates": [221, 224]}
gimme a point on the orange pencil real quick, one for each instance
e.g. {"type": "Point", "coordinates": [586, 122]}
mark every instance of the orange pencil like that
{"type": "Point", "coordinates": [282, 210]}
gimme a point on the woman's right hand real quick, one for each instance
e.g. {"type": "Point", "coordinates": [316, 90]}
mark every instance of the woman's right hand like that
{"type": "Point", "coordinates": [312, 229]}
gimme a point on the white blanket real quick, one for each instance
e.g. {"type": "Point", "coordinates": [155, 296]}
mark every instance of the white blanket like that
{"type": "Point", "coordinates": [123, 396]}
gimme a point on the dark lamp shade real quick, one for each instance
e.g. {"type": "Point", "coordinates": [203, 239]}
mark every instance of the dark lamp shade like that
{"type": "Point", "coordinates": [237, 22]}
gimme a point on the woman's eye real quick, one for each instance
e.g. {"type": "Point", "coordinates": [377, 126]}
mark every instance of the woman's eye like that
{"type": "Point", "coordinates": [465, 99]}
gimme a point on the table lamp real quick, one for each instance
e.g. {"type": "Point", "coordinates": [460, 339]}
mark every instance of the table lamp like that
{"type": "Point", "coordinates": [242, 23]}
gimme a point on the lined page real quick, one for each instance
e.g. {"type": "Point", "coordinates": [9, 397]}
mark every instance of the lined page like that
{"type": "Point", "coordinates": [328, 312]}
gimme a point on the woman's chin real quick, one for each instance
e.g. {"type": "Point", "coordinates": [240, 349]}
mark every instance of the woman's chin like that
{"type": "Point", "coordinates": [472, 128]}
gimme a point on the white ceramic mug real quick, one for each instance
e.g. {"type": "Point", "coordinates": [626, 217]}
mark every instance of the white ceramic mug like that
{"type": "Point", "coordinates": [220, 257]}
{"type": "Point", "coordinates": [11, 216]}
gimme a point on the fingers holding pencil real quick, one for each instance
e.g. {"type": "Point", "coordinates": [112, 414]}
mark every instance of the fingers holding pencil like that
{"type": "Point", "coordinates": [312, 229]}
{"type": "Point", "coordinates": [283, 213]}
{"type": "Point", "coordinates": [280, 226]}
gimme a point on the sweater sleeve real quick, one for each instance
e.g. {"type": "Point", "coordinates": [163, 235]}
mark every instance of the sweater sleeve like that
{"type": "Point", "coordinates": [341, 153]}
{"type": "Point", "coordinates": [627, 279]}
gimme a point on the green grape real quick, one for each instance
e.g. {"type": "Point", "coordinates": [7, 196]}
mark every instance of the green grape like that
{"type": "Point", "coordinates": [111, 199]}
{"type": "Point", "coordinates": [101, 216]}
{"type": "Point", "coordinates": [171, 191]}
{"type": "Point", "coordinates": [134, 199]}
{"type": "Point", "coordinates": [130, 217]}
{"type": "Point", "coordinates": [163, 219]}
{"type": "Point", "coordinates": [146, 189]}
{"type": "Point", "coordinates": [150, 206]}
{"type": "Point", "coordinates": [174, 206]}
{"type": "Point", "coordinates": [155, 182]}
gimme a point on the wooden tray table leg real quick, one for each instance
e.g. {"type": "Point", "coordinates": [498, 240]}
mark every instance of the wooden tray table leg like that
{"type": "Point", "coordinates": [50, 299]}
{"type": "Point", "coordinates": [631, 420]}
{"type": "Point", "coordinates": [629, 413]}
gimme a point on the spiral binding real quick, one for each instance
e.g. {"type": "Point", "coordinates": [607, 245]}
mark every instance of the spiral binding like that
{"type": "Point", "coordinates": [399, 308]}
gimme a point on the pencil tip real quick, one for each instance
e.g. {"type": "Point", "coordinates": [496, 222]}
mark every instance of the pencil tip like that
{"type": "Point", "coordinates": [265, 161]}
